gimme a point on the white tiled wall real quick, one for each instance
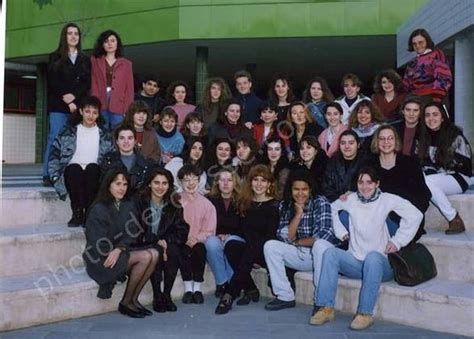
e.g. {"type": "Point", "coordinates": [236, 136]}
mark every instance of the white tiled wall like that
{"type": "Point", "coordinates": [19, 138]}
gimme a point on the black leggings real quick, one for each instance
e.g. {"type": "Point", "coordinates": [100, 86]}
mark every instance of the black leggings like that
{"type": "Point", "coordinates": [166, 270]}
{"type": "Point", "coordinates": [241, 260]}
{"type": "Point", "coordinates": [193, 262]}
{"type": "Point", "coordinates": [82, 185]}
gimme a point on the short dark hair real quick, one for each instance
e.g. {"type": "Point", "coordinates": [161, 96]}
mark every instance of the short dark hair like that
{"type": "Point", "coordinates": [90, 100]}
{"type": "Point", "coordinates": [188, 169]}
{"type": "Point", "coordinates": [297, 175]}
{"type": "Point", "coordinates": [150, 77]}
{"type": "Point", "coordinates": [412, 100]}
{"type": "Point", "coordinates": [351, 133]}
{"type": "Point", "coordinates": [168, 111]}
{"type": "Point", "coordinates": [335, 105]}
{"type": "Point", "coordinates": [241, 74]}
{"type": "Point", "coordinates": [124, 126]}
{"type": "Point", "coordinates": [420, 31]}
{"type": "Point", "coordinates": [370, 171]}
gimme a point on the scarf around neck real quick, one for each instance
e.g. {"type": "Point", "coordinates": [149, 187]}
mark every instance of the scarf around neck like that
{"type": "Point", "coordinates": [374, 196]}
{"type": "Point", "coordinates": [162, 133]}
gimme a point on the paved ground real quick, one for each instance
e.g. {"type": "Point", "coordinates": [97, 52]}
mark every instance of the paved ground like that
{"type": "Point", "coordinates": [199, 321]}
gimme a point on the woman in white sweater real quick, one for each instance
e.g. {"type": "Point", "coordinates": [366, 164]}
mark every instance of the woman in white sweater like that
{"type": "Point", "coordinates": [369, 244]}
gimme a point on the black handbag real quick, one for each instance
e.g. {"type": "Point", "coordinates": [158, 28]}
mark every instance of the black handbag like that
{"type": "Point", "coordinates": [412, 265]}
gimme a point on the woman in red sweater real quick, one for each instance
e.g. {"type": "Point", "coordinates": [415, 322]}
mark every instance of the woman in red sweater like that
{"type": "Point", "coordinates": [112, 78]}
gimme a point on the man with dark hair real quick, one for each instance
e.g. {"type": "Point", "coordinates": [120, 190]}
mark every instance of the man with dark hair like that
{"type": "Point", "coordinates": [249, 103]}
{"type": "Point", "coordinates": [150, 95]}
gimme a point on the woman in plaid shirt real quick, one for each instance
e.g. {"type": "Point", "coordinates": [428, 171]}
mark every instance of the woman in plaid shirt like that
{"type": "Point", "coordinates": [304, 233]}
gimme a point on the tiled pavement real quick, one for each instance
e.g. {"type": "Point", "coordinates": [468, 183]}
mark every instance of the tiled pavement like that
{"type": "Point", "coordinates": [199, 321]}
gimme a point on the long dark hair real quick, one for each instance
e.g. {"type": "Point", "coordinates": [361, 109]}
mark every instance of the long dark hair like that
{"type": "Point", "coordinates": [104, 196]}
{"type": "Point", "coordinates": [327, 94]}
{"type": "Point", "coordinates": [422, 32]}
{"type": "Point", "coordinates": [272, 96]}
{"type": "Point", "coordinates": [211, 157]}
{"type": "Point", "coordinates": [63, 48]}
{"type": "Point", "coordinates": [137, 107]}
{"type": "Point", "coordinates": [170, 196]}
{"type": "Point", "coordinates": [186, 154]}
{"type": "Point", "coordinates": [448, 132]}
{"type": "Point", "coordinates": [99, 48]}
{"type": "Point", "coordinates": [282, 162]}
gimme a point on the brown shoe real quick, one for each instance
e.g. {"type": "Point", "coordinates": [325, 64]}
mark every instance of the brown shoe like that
{"type": "Point", "coordinates": [324, 315]}
{"type": "Point", "coordinates": [456, 225]}
{"type": "Point", "coordinates": [361, 322]}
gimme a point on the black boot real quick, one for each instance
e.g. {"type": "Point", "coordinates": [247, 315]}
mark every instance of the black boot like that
{"type": "Point", "coordinates": [77, 219]}
{"type": "Point", "coordinates": [225, 304]}
{"type": "Point", "coordinates": [252, 295]}
{"type": "Point", "coordinates": [158, 297]}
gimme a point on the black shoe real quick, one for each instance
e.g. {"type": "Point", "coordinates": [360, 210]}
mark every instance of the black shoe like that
{"type": "Point", "coordinates": [169, 304]}
{"type": "Point", "coordinates": [77, 219]}
{"type": "Point", "coordinates": [188, 298]}
{"type": "Point", "coordinates": [129, 312]}
{"type": "Point", "coordinates": [198, 297]}
{"type": "Point", "coordinates": [249, 296]}
{"type": "Point", "coordinates": [159, 305]}
{"type": "Point", "coordinates": [145, 311]}
{"type": "Point", "coordinates": [277, 304]}
{"type": "Point", "coordinates": [47, 182]}
{"type": "Point", "coordinates": [220, 290]}
{"type": "Point", "coordinates": [225, 304]}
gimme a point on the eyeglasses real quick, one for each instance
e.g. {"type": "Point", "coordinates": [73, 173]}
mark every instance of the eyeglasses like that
{"type": "Point", "coordinates": [190, 180]}
{"type": "Point", "coordinates": [387, 139]}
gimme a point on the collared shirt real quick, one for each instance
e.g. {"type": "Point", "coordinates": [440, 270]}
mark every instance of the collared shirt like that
{"type": "Point", "coordinates": [316, 221]}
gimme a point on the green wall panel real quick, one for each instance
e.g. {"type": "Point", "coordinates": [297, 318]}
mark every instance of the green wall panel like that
{"type": "Point", "coordinates": [32, 30]}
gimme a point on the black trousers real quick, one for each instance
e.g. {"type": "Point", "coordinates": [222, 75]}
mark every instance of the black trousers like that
{"type": "Point", "coordinates": [193, 262]}
{"type": "Point", "coordinates": [166, 271]}
{"type": "Point", "coordinates": [240, 259]}
{"type": "Point", "coordinates": [82, 185]}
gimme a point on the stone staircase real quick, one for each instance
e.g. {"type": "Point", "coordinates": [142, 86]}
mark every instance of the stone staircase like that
{"type": "Point", "coordinates": [42, 277]}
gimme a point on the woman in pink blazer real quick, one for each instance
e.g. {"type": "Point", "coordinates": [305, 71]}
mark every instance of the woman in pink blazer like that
{"type": "Point", "coordinates": [112, 78]}
{"type": "Point", "coordinates": [329, 138]}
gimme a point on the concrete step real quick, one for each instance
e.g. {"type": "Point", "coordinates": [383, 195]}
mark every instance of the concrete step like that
{"type": "Point", "coordinates": [40, 248]}
{"type": "Point", "coordinates": [453, 254]}
{"type": "Point", "coordinates": [463, 203]}
{"type": "Point", "coordinates": [46, 297]}
{"type": "Point", "coordinates": [439, 305]}
{"type": "Point", "coordinates": [32, 206]}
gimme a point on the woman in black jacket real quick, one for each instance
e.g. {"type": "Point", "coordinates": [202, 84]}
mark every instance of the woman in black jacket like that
{"type": "Point", "coordinates": [399, 174]}
{"type": "Point", "coordinates": [163, 228]}
{"type": "Point", "coordinates": [341, 171]}
{"type": "Point", "coordinates": [111, 228]}
{"type": "Point", "coordinates": [69, 80]}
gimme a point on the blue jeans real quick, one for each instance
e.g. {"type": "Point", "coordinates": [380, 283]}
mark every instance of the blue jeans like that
{"type": "Point", "coordinates": [111, 120]}
{"type": "Point", "coordinates": [57, 120]}
{"type": "Point", "coordinates": [216, 258]}
{"type": "Point", "coordinates": [374, 269]}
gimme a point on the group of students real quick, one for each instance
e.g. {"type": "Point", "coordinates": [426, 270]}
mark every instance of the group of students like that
{"type": "Point", "coordinates": [241, 183]}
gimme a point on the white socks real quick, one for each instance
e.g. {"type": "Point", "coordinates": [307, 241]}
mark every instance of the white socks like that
{"type": "Point", "coordinates": [196, 286]}
{"type": "Point", "coordinates": [188, 286]}
{"type": "Point", "coordinates": [192, 286]}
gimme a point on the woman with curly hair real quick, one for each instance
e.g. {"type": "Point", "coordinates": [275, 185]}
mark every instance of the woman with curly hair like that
{"type": "Point", "coordinates": [258, 209]}
{"type": "Point", "coordinates": [214, 101]}
{"type": "Point", "coordinates": [389, 94]}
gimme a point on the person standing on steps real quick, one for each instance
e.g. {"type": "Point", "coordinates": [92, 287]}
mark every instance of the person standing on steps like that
{"type": "Point", "coordinates": [69, 80]}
